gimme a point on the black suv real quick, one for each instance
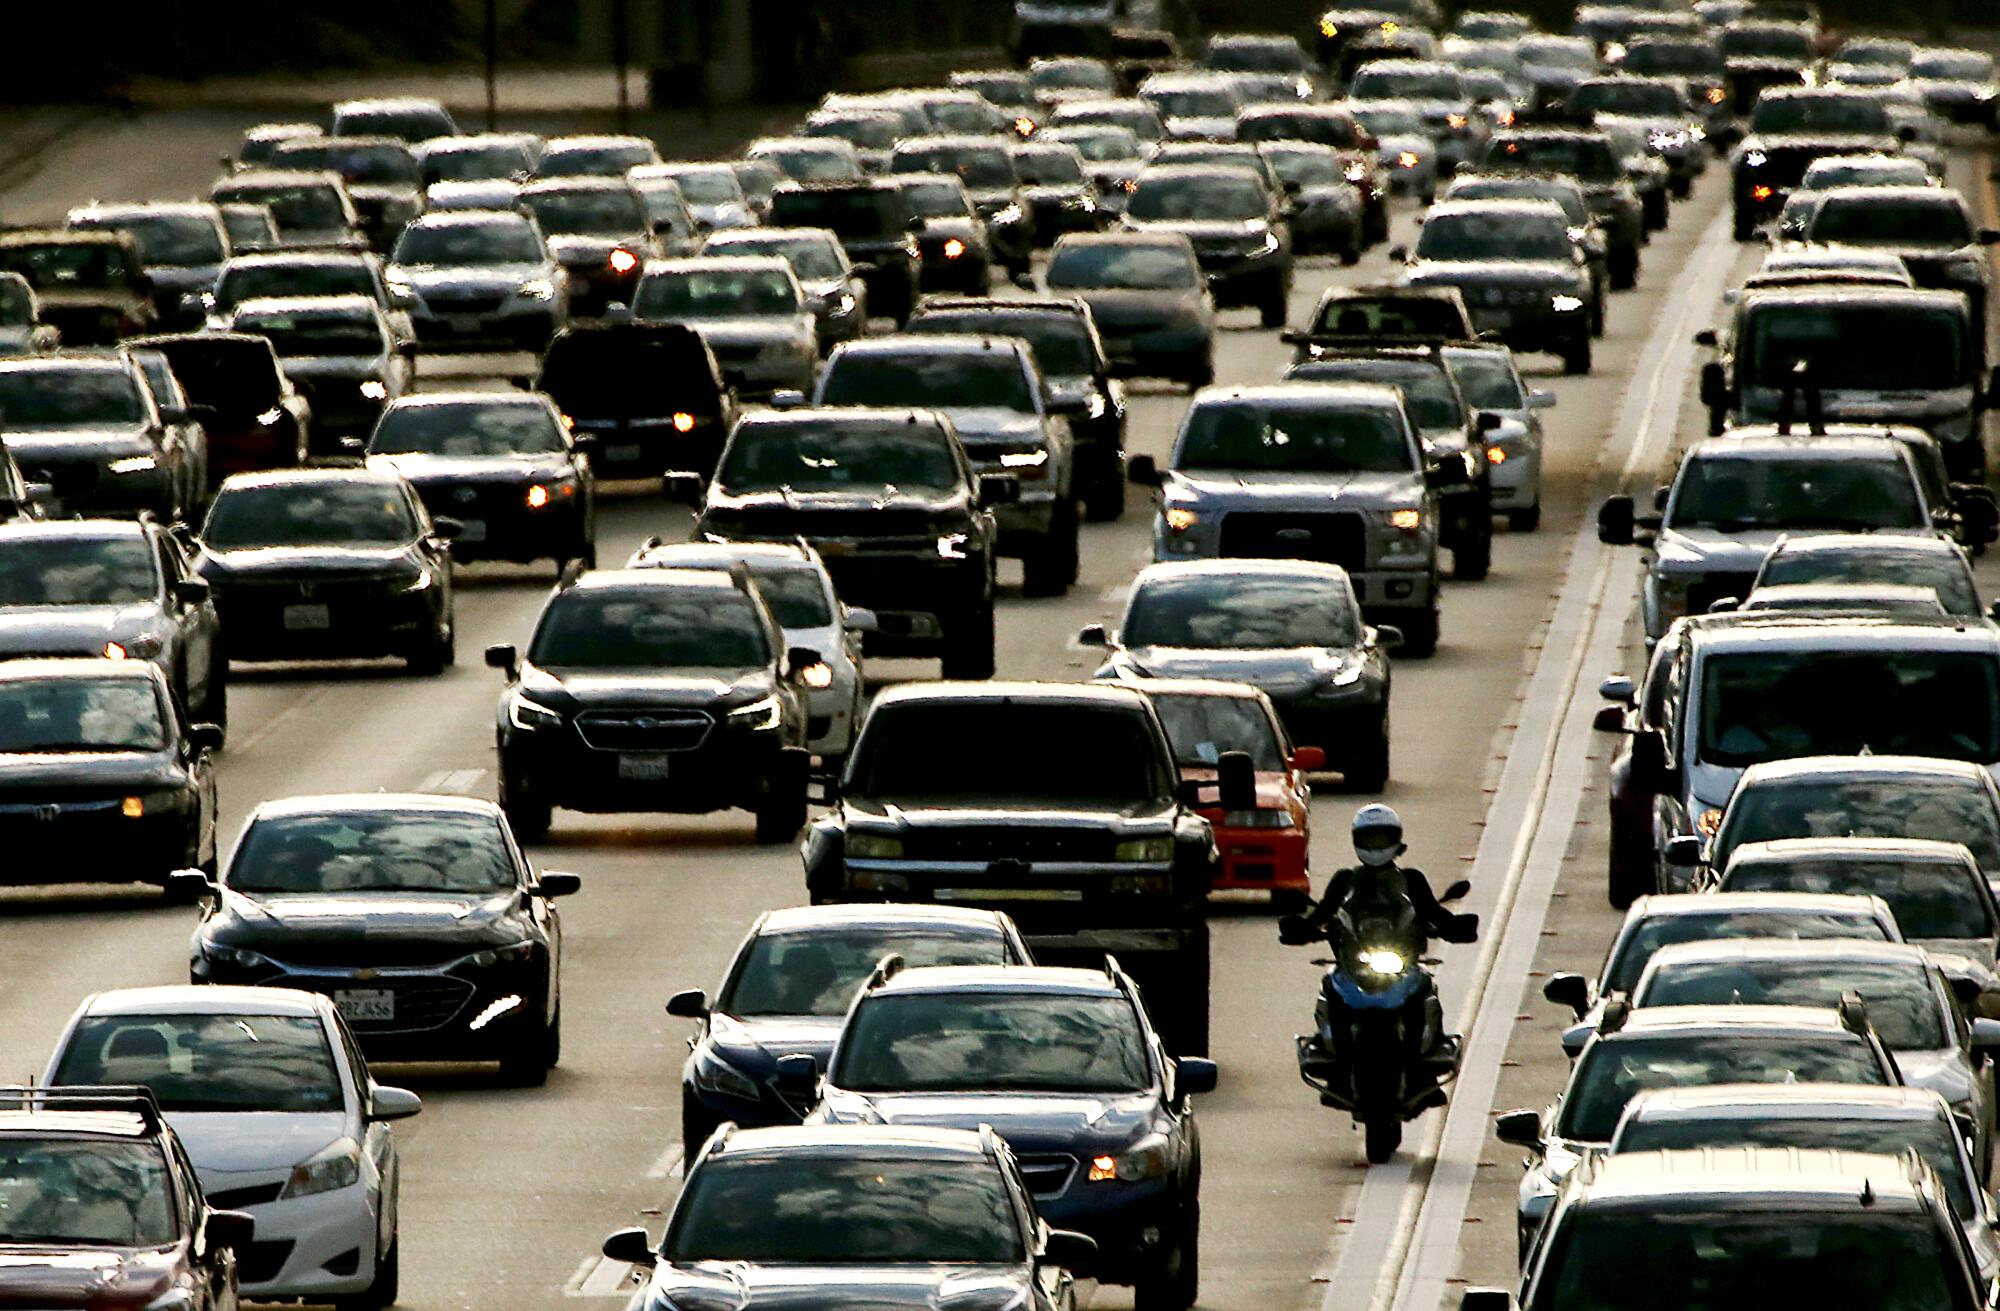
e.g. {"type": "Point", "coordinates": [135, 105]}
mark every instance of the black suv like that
{"type": "Point", "coordinates": [1065, 1066]}
{"type": "Point", "coordinates": [1057, 803]}
{"type": "Point", "coordinates": [872, 219]}
{"type": "Point", "coordinates": [650, 394]}
{"type": "Point", "coordinates": [654, 690]}
{"type": "Point", "coordinates": [889, 501]}
{"type": "Point", "coordinates": [91, 285]}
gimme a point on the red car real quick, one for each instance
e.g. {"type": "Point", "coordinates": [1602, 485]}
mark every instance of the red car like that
{"type": "Point", "coordinates": [1266, 848]}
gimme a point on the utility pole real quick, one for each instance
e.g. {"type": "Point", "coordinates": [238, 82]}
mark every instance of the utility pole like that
{"type": "Point", "coordinates": [492, 65]}
{"type": "Point", "coordinates": [621, 55]}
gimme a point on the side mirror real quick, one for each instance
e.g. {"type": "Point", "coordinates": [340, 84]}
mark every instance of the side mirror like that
{"type": "Point", "coordinates": [1456, 890]}
{"type": "Point", "coordinates": [690, 1004]}
{"type": "Point", "coordinates": [1985, 1035]}
{"type": "Point", "coordinates": [1142, 471]}
{"type": "Point", "coordinates": [446, 529]}
{"type": "Point", "coordinates": [189, 885]}
{"type": "Point", "coordinates": [393, 1104]}
{"type": "Point", "coordinates": [797, 1076]}
{"type": "Point", "coordinates": [39, 493]}
{"type": "Point", "coordinates": [788, 398]}
{"type": "Point", "coordinates": [1388, 637]}
{"type": "Point", "coordinates": [681, 488]}
{"type": "Point", "coordinates": [1618, 688]}
{"type": "Point", "coordinates": [1683, 852]}
{"type": "Point", "coordinates": [1615, 521]}
{"type": "Point", "coordinates": [1069, 1249]}
{"type": "Point", "coordinates": [1608, 719]}
{"type": "Point", "coordinates": [630, 1246]}
{"type": "Point", "coordinates": [1093, 635]}
{"type": "Point", "coordinates": [229, 1230]}
{"type": "Point", "coordinates": [860, 619]}
{"type": "Point", "coordinates": [1521, 1128]}
{"type": "Point", "coordinates": [1706, 337]}
{"type": "Point", "coordinates": [1309, 760]}
{"type": "Point", "coordinates": [555, 883]}
{"type": "Point", "coordinates": [205, 737]}
{"type": "Point", "coordinates": [1237, 775]}
{"type": "Point", "coordinates": [998, 489]}
{"type": "Point", "coordinates": [503, 656]}
{"type": "Point", "coordinates": [1193, 1075]}
{"type": "Point", "coordinates": [191, 591]}
{"type": "Point", "coordinates": [798, 659]}
{"type": "Point", "coordinates": [1571, 990]}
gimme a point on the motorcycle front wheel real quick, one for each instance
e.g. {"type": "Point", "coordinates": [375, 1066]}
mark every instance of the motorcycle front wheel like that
{"type": "Point", "coordinates": [1383, 1134]}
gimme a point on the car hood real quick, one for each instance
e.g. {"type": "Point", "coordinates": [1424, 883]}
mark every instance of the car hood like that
{"type": "Point", "coordinates": [232, 1142]}
{"type": "Point", "coordinates": [750, 332]}
{"type": "Point", "coordinates": [94, 1277]}
{"type": "Point", "coordinates": [281, 919]}
{"type": "Point", "coordinates": [1360, 492]}
{"type": "Point", "coordinates": [1119, 307]}
{"type": "Point", "coordinates": [1029, 1121]}
{"type": "Point", "coordinates": [86, 770]}
{"type": "Point", "coordinates": [1040, 813]}
{"type": "Point", "coordinates": [427, 470]}
{"type": "Point", "coordinates": [312, 368]}
{"type": "Point", "coordinates": [1277, 672]}
{"type": "Point", "coordinates": [482, 277]}
{"type": "Point", "coordinates": [71, 629]}
{"type": "Point", "coordinates": [735, 1285]}
{"type": "Point", "coordinates": [306, 561]}
{"type": "Point", "coordinates": [29, 445]}
{"type": "Point", "coordinates": [561, 688]}
{"type": "Point", "coordinates": [754, 1043]}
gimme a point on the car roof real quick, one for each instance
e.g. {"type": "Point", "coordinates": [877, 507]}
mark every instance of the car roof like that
{"type": "Point", "coordinates": [1069, 307]}
{"type": "Point", "coordinates": [1787, 446]}
{"type": "Point", "coordinates": [1238, 567]}
{"type": "Point", "coordinates": [78, 667]}
{"type": "Point", "coordinates": [1844, 597]}
{"type": "Point", "coordinates": [1045, 979]}
{"type": "Point", "coordinates": [1896, 192]}
{"type": "Point", "coordinates": [328, 308]}
{"type": "Point", "coordinates": [1750, 1101]}
{"type": "Point", "coordinates": [720, 264]}
{"type": "Point", "coordinates": [280, 177]}
{"type": "Point", "coordinates": [1727, 1019]}
{"type": "Point", "coordinates": [72, 530]}
{"type": "Point", "coordinates": [1317, 393]}
{"type": "Point", "coordinates": [120, 1124]}
{"type": "Point", "coordinates": [1196, 687]}
{"type": "Point", "coordinates": [1752, 1178]}
{"type": "Point", "coordinates": [933, 343]}
{"type": "Point", "coordinates": [262, 258]}
{"type": "Point", "coordinates": [1859, 850]}
{"type": "Point", "coordinates": [717, 555]}
{"type": "Point", "coordinates": [1003, 692]}
{"type": "Point", "coordinates": [374, 803]}
{"type": "Point", "coordinates": [1860, 631]}
{"type": "Point", "coordinates": [865, 1140]}
{"type": "Point", "coordinates": [469, 218]}
{"type": "Point", "coordinates": [915, 917]}
{"type": "Point", "coordinates": [1755, 903]}
{"type": "Point", "coordinates": [101, 209]}
{"type": "Point", "coordinates": [1517, 207]}
{"type": "Point", "coordinates": [429, 399]}
{"type": "Point", "coordinates": [1825, 297]}
{"type": "Point", "coordinates": [205, 999]}
{"type": "Point", "coordinates": [619, 580]}
{"type": "Point", "coordinates": [330, 474]}
{"type": "Point", "coordinates": [1835, 543]}
{"type": "Point", "coordinates": [1806, 768]}
{"type": "Point", "coordinates": [1748, 949]}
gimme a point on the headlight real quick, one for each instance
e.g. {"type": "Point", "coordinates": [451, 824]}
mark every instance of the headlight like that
{"type": "Point", "coordinates": [1565, 304]}
{"type": "Point", "coordinates": [417, 582]}
{"type": "Point", "coordinates": [133, 464]}
{"type": "Point", "coordinates": [1267, 245]}
{"type": "Point", "coordinates": [373, 389]}
{"type": "Point", "coordinates": [337, 1166]}
{"type": "Point", "coordinates": [1716, 95]}
{"type": "Point", "coordinates": [1357, 171]}
{"type": "Point", "coordinates": [841, 304]}
{"type": "Point", "coordinates": [1455, 121]}
{"type": "Point", "coordinates": [818, 676]}
{"type": "Point", "coordinates": [1146, 849]}
{"type": "Point", "coordinates": [622, 261]}
{"type": "Point", "coordinates": [241, 957]}
{"type": "Point", "coordinates": [1328, 28]}
{"type": "Point", "coordinates": [759, 715]}
{"type": "Point", "coordinates": [513, 952]}
{"type": "Point", "coordinates": [1406, 520]}
{"type": "Point", "coordinates": [1708, 821]}
{"type": "Point", "coordinates": [1496, 456]}
{"type": "Point", "coordinates": [874, 846]}
{"type": "Point", "coordinates": [1034, 459]}
{"type": "Point", "coordinates": [954, 248]}
{"type": "Point", "coordinates": [541, 495]}
{"type": "Point", "coordinates": [951, 546]}
{"type": "Point", "coordinates": [1381, 960]}
{"type": "Point", "coordinates": [1096, 407]}
{"type": "Point", "coordinates": [538, 289]}
{"type": "Point", "coordinates": [142, 804]}
{"type": "Point", "coordinates": [1149, 1158]}
{"type": "Point", "coordinates": [716, 1075]}
{"type": "Point", "coordinates": [1179, 519]}
{"type": "Point", "coordinates": [525, 714]}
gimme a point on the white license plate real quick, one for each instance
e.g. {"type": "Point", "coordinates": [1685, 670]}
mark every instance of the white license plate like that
{"type": "Point", "coordinates": [1010, 894]}
{"type": "Point", "coordinates": [299, 617]}
{"type": "Point", "coordinates": [621, 454]}
{"type": "Point", "coordinates": [472, 530]}
{"type": "Point", "coordinates": [366, 1003]}
{"type": "Point", "coordinates": [644, 768]}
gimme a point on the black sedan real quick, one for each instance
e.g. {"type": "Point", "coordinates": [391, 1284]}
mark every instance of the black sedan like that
{"type": "Point", "coordinates": [101, 777]}
{"type": "Point", "coordinates": [503, 464]}
{"type": "Point", "coordinates": [417, 914]}
{"type": "Point", "coordinates": [326, 564]}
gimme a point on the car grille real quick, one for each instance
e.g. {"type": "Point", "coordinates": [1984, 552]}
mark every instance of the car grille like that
{"type": "Point", "coordinates": [1710, 588]}
{"type": "Point", "coordinates": [645, 730]}
{"type": "Point", "coordinates": [1009, 843]}
{"type": "Point", "coordinates": [1498, 297]}
{"type": "Point", "coordinates": [870, 523]}
{"type": "Point", "coordinates": [1047, 1175]}
{"type": "Point", "coordinates": [367, 953]}
{"type": "Point", "coordinates": [463, 302]}
{"type": "Point", "coordinates": [479, 499]}
{"type": "Point", "coordinates": [1340, 539]}
{"type": "Point", "coordinates": [260, 1263]}
{"type": "Point", "coordinates": [422, 1001]}
{"type": "Point", "coordinates": [229, 1199]}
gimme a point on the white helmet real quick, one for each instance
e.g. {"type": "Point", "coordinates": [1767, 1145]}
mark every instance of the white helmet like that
{"type": "Point", "coordinates": [1378, 834]}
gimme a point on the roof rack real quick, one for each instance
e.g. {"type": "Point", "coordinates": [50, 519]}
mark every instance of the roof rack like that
{"type": "Point", "coordinates": [885, 969]}
{"type": "Point", "coordinates": [131, 1099]}
{"type": "Point", "coordinates": [1616, 1012]}
{"type": "Point", "coordinates": [1854, 1013]}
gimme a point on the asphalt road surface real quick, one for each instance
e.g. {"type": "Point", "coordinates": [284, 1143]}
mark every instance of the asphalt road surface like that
{"type": "Point", "coordinates": [507, 1193]}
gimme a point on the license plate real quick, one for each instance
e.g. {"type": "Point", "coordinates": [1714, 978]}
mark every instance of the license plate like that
{"type": "Point", "coordinates": [472, 530]}
{"type": "Point", "coordinates": [299, 617]}
{"type": "Point", "coordinates": [621, 454]}
{"type": "Point", "coordinates": [1010, 894]}
{"type": "Point", "coordinates": [644, 768]}
{"type": "Point", "coordinates": [366, 1003]}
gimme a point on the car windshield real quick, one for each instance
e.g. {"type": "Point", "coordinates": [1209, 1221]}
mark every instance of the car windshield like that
{"type": "Point", "coordinates": [988, 379]}
{"type": "Point", "coordinates": [45, 716]}
{"type": "Point", "coordinates": [1954, 65]}
{"type": "Point", "coordinates": [500, 242]}
{"type": "Point", "coordinates": [1678, 1260]}
{"type": "Point", "coordinates": [403, 122]}
{"type": "Point", "coordinates": [1200, 728]}
{"type": "Point", "coordinates": [41, 399]}
{"type": "Point", "coordinates": [1427, 391]}
{"type": "Point", "coordinates": [480, 163]}
{"type": "Point", "coordinates": [811, 161]}
{"type": "Point", "coordinates": [1673, 57]}
{"type": "Point", "coordinates": [607, 161]}
{"type": "Point", "coordinates": [709, 186]}
{"type": "Point", "coordinates": [1945, 574]}
{"type": "Point", "coordinates": [374, 851]}
{"type": "Point", "coordinates": [864, 131]}
{"type": "Point", "coordinates": [1931, 899]}
{"type": "Point", "coordinates": [276, 280]}
{"type": "Point", "coordinates": [1121, 265]}
{"type": "Point", "coordinates": [1388, 82]}
{"type": "Point", "coordinates": [17, 301]}
{"type": "Point", "coordinates": [1257, 56]}
{"type": "Point", "coordinates": [1099, 144]}
{"type": "Point", "coordinates": [78, 571]}
{"type": "Point", "coordinates": [1612, 1071]}
{"type": "Point", "coordinates": [1051, 166]}
{"type": "Point", "coordinates": [1631, 96]}
{"type": "Point", "coordinates": [301, 207]}
{"type": "Point", "coordinates": [296, 336]}
{"type": "Point", "coordinates": [1873, 221]}
{"type": "Point", "coordinates": [1774, 705]}
{"type": "Point", "coordinates": [1306, 168]}
{"type": "Point", "coordinates": [597, 211]}
{"type": "Point", "coordinates": [311, 512]}
{"type": "Point", "coordinates": [1856, 345]}
{"type": "Point", "coordinates": [972, 1042]}
{"type": "Point", "coordinates": [1061, 342]}
{"type": "Point", "coordinates": [1901, 1003]}
{"type": "Point", "coordinates": [1230, 611]}
{"type": "Point", "coordinates": [1227, 197]}
{"type": "Point", "coordinates": [62, 265]}
{"type": "Point", "coordinates": [237, 377]}
{"type": "Point", "coordinates": [1073, 74]}
{"type": "Point", "coordinates": [928, 196]}
{"type": "Point", "coordinates": [85, 1192]}
{"type": "Point", "coordinates": [1109, 754]}
{"type": "Point", "coordinates": [171, 240]}
{"type": "Point", "coordinates": [1820, 113]}
{"type": "Point", "coordinates": [651, 628]}
{"type": "Point", "coordinates": [468, 427]}
{"type": "Point", "coordinates": [1558, 52]}
{"type": "Point", "coordinates": [1193, 102]}
{"type": "Point", "coordinates": [818, 971]}
{"type": "Point", "coordinates": [1734, 494]}
{"type": "Point", "coordinates": [716, 294]}
{"type": "Point", "coordinates": [1864, 171]}
{"type": "Point", "coordinates": [981, 168]}
{"type": "Point", "coordinates": [1486, 379]}
{"type": "Point", "coordinates": [814, 259]}
{"type": "Point", "coordinates": [1634, 949]}
{"type": "Point", "coordinates": [1768, 42]}
{"type": "Point", "coordinates": [838, 458]}
{"type": "Point", "coordinates": [859, 214]}
{"type": "Point", "coordinates": [1864, 808]}
{"type": "Point", "coordinates": [1392, 316]}
{"type": "Point", "coordinates": [1223, 437]}
{"type": "Point", "coordinates": [211, 1062]}
{"type": "Point", "coordinates": [1930, 1138]}
{"type": "Point", "coordinates": [845, 1209]}
{"type": "Point", "coordinates": [365, 164]}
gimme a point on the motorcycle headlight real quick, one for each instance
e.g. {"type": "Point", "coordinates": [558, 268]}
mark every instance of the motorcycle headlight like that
{"type": "Point", "coordinates": [338, 1165]}
{"type": "Point", "coordinates": [713, 1074]}
{"type": "Point", "coordinates": [538, 289]}
{"type": "Point", "coordinates": [1149, 1158]}
{"type": "Point", "coordinates": [525, 714]}
{"type": "Point", "coordinates": [759, 715]}
{"type": "Point", "coordinates": [1380, 960]}
{"type": "Point", "coordinates": [874, 846]}
{"type": "Point", "coordinates": [1146, 849]}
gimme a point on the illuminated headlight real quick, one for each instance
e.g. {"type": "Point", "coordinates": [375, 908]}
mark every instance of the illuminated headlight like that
{"type": "Point", "coordinates": [1496, 456]}
{"type": "Point", "coordinates": [143, 647]}
{"type": "Point", "coordinates": [1408, 520]}
{"type": "Point", "coordinates": [1025, 126]}
{"type": "Point", "coordinates": [759, 715]}
{"type": "Point", "coordinates": [713, 1074]}
{"type": "Point", "coordinates": [1716, 95]}
{"type": "Point", "coordinates": [270, 417]}
{"type": "Point", "coordinates": [529, 715]}
{"type": "Point", "coordinates": [149, 803]}
{"type": "Point", "coordinates": [1708, 821]}
{"type": "Point", "coordinates": [538, 289]}
{"type": "Point", "coordinates": [841, 304]}
{"type": "Point", "coordinates": [1381, 960]}
{"type": "Point", "coordinates": [133, 464]}
{"type": "Point", "coordinates": [1357, 171]}
{"type": "Point", "coordinates": [338, 1165]}
{"type": "Point", "coordinates": [951, 546]}
{"type": "Point", "coordinates": [818, 676]}
{"type": "Point", "coordinates": [1565, 304]}
{"type": "Point", "coordinates": [1149, 1158]}
{"type": "Point", "coordinates": [1755, 159]}
{"type": "Point", "coordinates": [512, 953]}
{"type": "Point", "coordinates": [874, 846]}
{"type": "Point", "coordinates": [954, 248]}
{"type": "Point", "coordinates": [1024, 459]}
{"type": "Point", "coordinates": [1577, 234]}
{"type": "Point", "coordinates": [1179, 518]}
{"type": "Point", "coordinates": [1151, 850]}
{"type": "Point", "coordinates": [623, 261]}
{"type": "Point", "coordinates": [1455, 121]}
{"type": "Point", "coordinates": [1408, 159]}
{"type": "Point", "coordinates": [374, 390]}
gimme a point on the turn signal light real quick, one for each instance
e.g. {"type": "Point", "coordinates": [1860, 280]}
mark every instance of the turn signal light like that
{"type": "Point", "coordinates": [683, 422]}
{"type": "Point", "coordinates": [1494, 455]}
{"type": "Point", "coordinates": [623, 261]}
{"type": "Point", "coordinates": [133, 807]}
{"type": "Point", "coordinates": [954, 248]}
{"type": "Point", "coordinates": [1407, 520]}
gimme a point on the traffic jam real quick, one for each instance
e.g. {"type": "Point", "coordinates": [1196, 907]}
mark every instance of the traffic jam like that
{"type": "Point", "coordinates": [941, 573]}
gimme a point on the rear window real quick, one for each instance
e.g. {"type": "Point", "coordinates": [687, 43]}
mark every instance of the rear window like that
{"type": "Point", "coordinates": [1028, 752]}
{"type": "Point", "coordinates": [850, 214]}
{"type": "Point", "coordinates": [636, 376]}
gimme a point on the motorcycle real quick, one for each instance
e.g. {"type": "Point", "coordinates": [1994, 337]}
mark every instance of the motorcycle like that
{"type": "Point", "coordinates": [1378, 1049]}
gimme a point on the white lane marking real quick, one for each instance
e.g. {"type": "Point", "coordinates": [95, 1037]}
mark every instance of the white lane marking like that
{"type": "Point", "coordinates": [669, 1164]}
{"type": "Point", "coordinates": [1403, 1242]}
{"type": "Point", "coordinates": [279, 720]}
{"type": "Point", "coordinates": [600, 1276]}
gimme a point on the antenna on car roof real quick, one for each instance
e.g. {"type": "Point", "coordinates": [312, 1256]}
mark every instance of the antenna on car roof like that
{"type": "Point", "coordinates": [1853, 1012]}
{"type": "Point", "coordinates": [1616, 1012]}
{"type": "Point", "coordinates": [1800, 384]}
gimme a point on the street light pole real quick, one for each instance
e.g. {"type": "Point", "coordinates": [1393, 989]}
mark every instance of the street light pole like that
{"type": "Point", "coordinates": [621, 55]}
{"type": "Point", "coordinates": [492, 65]}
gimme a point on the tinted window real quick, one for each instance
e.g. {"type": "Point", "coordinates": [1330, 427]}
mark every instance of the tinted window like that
{"type": "Point", "coordinates": [594, 212]}
{"type": "Point", "coordinates": [992, 379]}
{"type": "Point", "coordinates": [1775, 705]}
{"type": "Point", "coordinates": [1929, 899]}
{"type": "Point", "coordinates": [1818, 113]}
{"type": "Point", "coordinates": [1061, 342]}
{"type": "Point", "coordinates": [1294, 439]}
{"type": "Point", "coordinates": [466, 428]}
{"type": "Point", "coordinates": [68, 264]}
{"type": "Point", "coordinates": [1500, 235]}
{"type": "Point", "coordinates": [1201, 728]}
{"type": "Point", "coordinates": [716, 294]}
{"type": "Point", "coordinates": [981, 168]}
{"type": "Point", "coordinates": [629, 374]}
{"type": "Point", "coordinates": [1428, 395]}
{"type": "Point", "coordinates": [1901, 1004]}
{"type": "Point", "coordinates": [860, 214]}
{"type": "Point", "coordinates": [1862, 808]}
{"type": "Point", "coordinates": [1899, 223]}
{"type": "Point", "coordinates": [1611, 1072]}
{"type": "Point", "coordinates": [61, 1193]}
{"type": "Point", "coordinates": [286, 279]}
{"type": "Point", "coordinates": [78, 571]}
{"type": "Point", "coordinates": [1731, 494]}
{"type": "Point", "coordinates": [310, 513]}
{"type": "Point", "coordinates": [1126, 265]}
{"type": "Point", "coordinates": [42, 399]}
{"type": "Point", "coordinates": [649, 628]}
{"type": "Point", "coordinates": [1622, 972]}
{"type": "Point", "coordinates": [209, 1062]}
{"type": "Point", "coordinates": [962, 1042]}
{"type": "Point", "coordinates": [812, 257]}
{"type": "Point", "coordinates": [303, 335]}
{"type": "Point", "coordinates": [303, 207]}
{"type": "Point", "coordinates": [49, 715]}
{"type": "Point", "coordinates": [507, 242]}
{"type": "Point", "coordinates": [1219, 196]}
{"type": "Point", "coordinates": [836, 457]}
{"type": "Point", "coordinates": [170, 239]}
{"type": "Point", "coordinates": [383, 851]}
{"type": "Point", "coordinates": [818, 971]}
{"type": "Point", "coordinates": [476, 163]}
{"type": "Point", "coordinates": [1230, 611]}
{"type": "Point", "coordinates": [357, 162]}
{"type": "Point", "coordinates": [1865, 346]}
{"type": "Point", "coordinates": [1590, 159]}
{"type": "Point", "coordinates": [1066, 754]}
{"type": "Point", "coordinates": [1944, 574]}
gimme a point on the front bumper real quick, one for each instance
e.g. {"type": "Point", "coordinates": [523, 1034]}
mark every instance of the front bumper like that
{"type": "Point", "coordinates": [312, 1247]}
{"type": "Point", "coordinates": [333, 620]}
{"type": "Point", "coordinates": [520, 328]}
{"type": "Point", "coordinates": [650, 446]}
{"type": "Point", "coordinates": [727, 766]}
{"type": "Point", "coordinates": [42, 840]}
{"type": "Point", "coordinates": [1133, 1222]}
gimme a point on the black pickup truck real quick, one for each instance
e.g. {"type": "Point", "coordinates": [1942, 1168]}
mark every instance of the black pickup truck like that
{"type": "Point", "coordinates": [1058, 803]}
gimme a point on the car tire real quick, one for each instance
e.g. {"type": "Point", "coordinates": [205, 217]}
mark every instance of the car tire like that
{"type": "Point", "coordinates": [1368, 769]}
{"type": "Point", "coordinates": [527, 814]}
{"type": "Point", "coordinates": [1743, 228]}
{"type": "Point", "coordinates": [1290, 901]}
{"type": "Point", "coordinates": [1050, 566]}
{"type": "Point", "coordinates": [215, 702]}
{"type": "Point", "coordinates": [1175, 1282]}
{"type": "Point", "coordinates": [968, 645]}
{"type": "Point", "coordinates": [1630, 873]}
{"type": "Point", "coordinates": [781, 812]}
{"type": "Point", "coordinates": [384, 1289]}
{"type": "Point", "coordinates": [1105, 501]}
{"type": "Point", "coordinates": [1597, 316]}
{"type": "Point", "coordinates": [1524, 521]}
{"type": "Point", "coordinates": [1275, 305]}
{"type": "Point", "coordinates": [697, 1127]}
{"type": "Point", "coordinates": [1625, 267]}
{"type": "Point", "coordinates": [1381, 1137]}
{"type": "Point", "coordinates": [1202, 374]}
{"type": "Point", "coordinates": [1473, 560]}
{"type": "Point", "coordinates": [1577, 360]}
{"type": "Point", "coordinates": [437, 654]}
{"type": "Point", "coordinates": [528, 1064]}
{"type": "Point", "coordinates": [1420, 634]}
{"type": "Point", "coordinates": [1350, 254]}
